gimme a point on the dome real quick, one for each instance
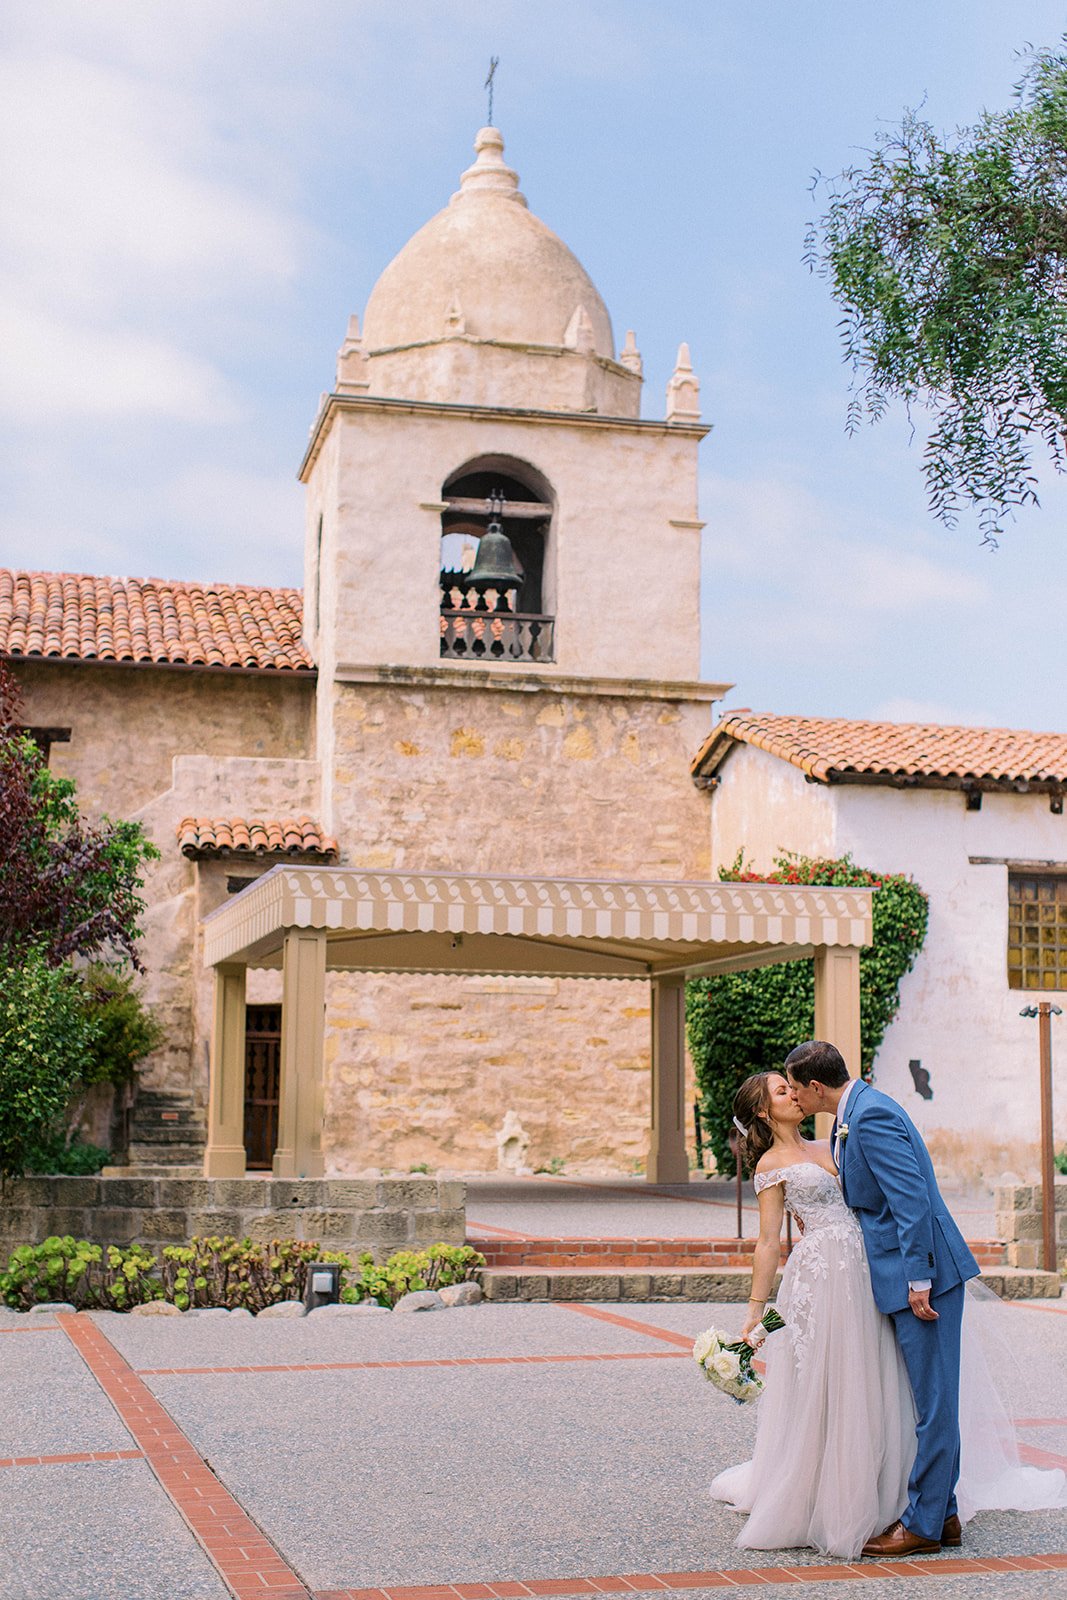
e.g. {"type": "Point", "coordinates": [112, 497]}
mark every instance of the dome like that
{"type": "Point", "coordinates": [485, 268]}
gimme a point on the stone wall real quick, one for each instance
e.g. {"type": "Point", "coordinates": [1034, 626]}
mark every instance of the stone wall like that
{"type": "Point", "coordinates": [1020, 1223]}
{"type": "Point", "coordinates": [427, 1069]}
{"type": "Point", "coordinates": [380, 1215]}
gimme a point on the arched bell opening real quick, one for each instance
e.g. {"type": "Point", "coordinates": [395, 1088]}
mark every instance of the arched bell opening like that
{"type": "Point", "coordinates": [495, 573]}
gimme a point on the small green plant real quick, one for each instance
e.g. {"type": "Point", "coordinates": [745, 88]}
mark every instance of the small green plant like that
{"type": "Point", "coordinates": [54, 1155]}
{"type": "Point", "coordinates": [238, 1273]}
{"type": "Point", "coordinates": [1061, 1160]}
{"type": "Point", "coordinates": [423, 1167]}
{"type": "Point", "coordinates": [91, 1277]}
{"type": "Point", "coordinates": [553, 1166]}
{"type": "Point", "coordinates": [409, 1270]}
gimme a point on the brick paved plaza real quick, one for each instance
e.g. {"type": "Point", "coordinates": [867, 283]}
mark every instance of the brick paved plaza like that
{"type": "Point", "coordinates": [482, 1453]}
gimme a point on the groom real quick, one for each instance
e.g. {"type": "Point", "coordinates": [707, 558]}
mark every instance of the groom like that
{"type": "Point", "coordinates": [918, 1261]}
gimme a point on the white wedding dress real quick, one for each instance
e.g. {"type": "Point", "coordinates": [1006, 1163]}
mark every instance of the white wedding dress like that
{"type": "Point", "coordinates": [835, 1435]}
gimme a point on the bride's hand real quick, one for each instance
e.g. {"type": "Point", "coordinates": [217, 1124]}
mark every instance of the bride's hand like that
{"type": "Point", "coordinates": [750, 1325]}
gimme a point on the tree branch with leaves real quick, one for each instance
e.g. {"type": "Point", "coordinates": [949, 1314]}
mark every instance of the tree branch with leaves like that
{"type": "Point", "coordinates": [948, 258]}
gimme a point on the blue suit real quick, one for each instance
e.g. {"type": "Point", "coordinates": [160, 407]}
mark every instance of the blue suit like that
{"type": "Point", "coordinates": [888, 1180]}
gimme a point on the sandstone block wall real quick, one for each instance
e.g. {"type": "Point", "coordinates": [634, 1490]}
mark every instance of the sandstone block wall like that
{"type": "Point", "coordinates": [380, 1215]}
{"type": "Point", "coordinates": [1020, 1223]}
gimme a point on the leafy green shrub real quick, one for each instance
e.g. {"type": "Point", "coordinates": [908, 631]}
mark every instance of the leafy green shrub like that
{"type": "Point", "coordinates": [53, 1155]}
{"type": "Point", "coordinates": [745, 1022]}
{"type": "Point", "coordinates": [1061, 1160]}
{"type": "Point", "coordinates": [91, 1277]}
{"type": "Point", "coordinates": [236, 1272]}
{"type": "Point", "coordinates": [409, 1270]}
{"type": "Point", "coordinates": [45, 1038]}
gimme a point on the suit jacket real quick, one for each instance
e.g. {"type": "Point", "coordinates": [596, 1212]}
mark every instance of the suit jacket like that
{"type": "Point", "coordinates": [887, 1178]}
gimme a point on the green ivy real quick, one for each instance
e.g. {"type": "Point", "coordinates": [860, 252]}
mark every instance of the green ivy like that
{"type": "Point", "coordinates": [744, 1022]}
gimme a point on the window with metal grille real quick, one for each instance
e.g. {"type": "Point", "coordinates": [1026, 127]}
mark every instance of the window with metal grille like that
{"type": "Point", "coordinates": [1037, 931]}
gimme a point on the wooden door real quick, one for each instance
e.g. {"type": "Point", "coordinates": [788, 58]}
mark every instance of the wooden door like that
{"type": "Point", "coordinates": [263, 1063]}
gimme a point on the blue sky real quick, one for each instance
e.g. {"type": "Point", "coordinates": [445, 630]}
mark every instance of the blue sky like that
{"type": "Point", "coordinates": [193, 197]}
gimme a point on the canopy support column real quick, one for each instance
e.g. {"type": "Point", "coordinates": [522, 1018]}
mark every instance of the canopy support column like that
{"type": "Point", "coordinates": [667, 1158]}
{"type": "Point", "coordinates": [837, 1009]}
{"type": "Point", "coordinates": [225, 1153]}
{"type": "Point", "coordinates": [299, 1152]}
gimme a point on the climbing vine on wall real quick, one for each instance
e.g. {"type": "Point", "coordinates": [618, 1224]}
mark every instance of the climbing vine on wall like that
{"type": "Point", "coordinates": [746, 1022]}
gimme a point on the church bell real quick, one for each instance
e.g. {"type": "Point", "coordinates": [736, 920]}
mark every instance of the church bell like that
{"type": "Point", "coordinates": [495, 566]}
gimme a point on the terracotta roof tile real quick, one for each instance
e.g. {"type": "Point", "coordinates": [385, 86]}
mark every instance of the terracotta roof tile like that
{"type": "Point", "coordinates": [70, 617]}
{"type": "Point", "coordinates": [226, 836]}
{"type": "Point", "coordinates": [835, 750]}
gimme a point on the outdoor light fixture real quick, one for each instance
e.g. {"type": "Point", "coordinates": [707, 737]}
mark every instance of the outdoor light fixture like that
{"type": "Point", "coordinates": [323, 1286]}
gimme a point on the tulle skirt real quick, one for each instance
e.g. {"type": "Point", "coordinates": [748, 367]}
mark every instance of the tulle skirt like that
{"type": "Point", "coordinates": [835, 1436]}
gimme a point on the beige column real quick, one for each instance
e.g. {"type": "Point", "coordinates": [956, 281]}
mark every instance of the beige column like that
{"type": "Point", "coordinates": [225, 1153]}
{"type": "Point", "coordinates": [667, 1158]}
{"type": "Point", "coordinates": [837, 1009]}
{"type": "Point", "coordinates": [299, 1152]}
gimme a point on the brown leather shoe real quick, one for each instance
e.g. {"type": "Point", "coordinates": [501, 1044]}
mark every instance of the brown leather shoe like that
{"type": "Point", "coordinates": [897, 1540]}
{"type": "Point", "coordinates": [952, 1533]}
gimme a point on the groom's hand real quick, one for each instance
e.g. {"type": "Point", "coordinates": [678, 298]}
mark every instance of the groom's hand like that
{"type": "Point", "coordinates": [919, 1301]}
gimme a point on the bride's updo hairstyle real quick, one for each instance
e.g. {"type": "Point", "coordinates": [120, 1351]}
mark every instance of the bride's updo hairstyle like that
{"type": "Point", "coordinates": [751, 1108]}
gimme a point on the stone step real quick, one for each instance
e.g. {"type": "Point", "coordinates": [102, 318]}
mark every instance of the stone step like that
{"type": "Point", "coordinates": [550, 1253]}
{"type": "Point", "coordinates": [174, 1155]}
{"type": "Point", "coordinates": [716, 1283]}
{"type": "Point", "coordinates": [648, 1287]}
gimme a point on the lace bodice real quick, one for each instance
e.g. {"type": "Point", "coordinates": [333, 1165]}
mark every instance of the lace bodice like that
{"type": "Point", "coordinates": [811, 1193]}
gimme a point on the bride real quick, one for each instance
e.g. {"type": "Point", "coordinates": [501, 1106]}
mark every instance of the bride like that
{"type": "Point", "coordinates": [835, 1438]}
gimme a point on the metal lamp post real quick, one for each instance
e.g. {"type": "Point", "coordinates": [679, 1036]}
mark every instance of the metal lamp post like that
{"type": "Point", "coordinates": [1044, 1011]}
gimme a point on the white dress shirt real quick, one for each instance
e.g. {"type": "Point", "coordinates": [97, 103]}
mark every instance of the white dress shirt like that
{"type": "Point", "coordinates": [919, 1283]}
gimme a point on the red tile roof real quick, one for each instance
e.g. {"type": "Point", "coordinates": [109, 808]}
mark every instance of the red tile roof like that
{"type": "Point", "coordinates": [69, 617]}
{"type": "Point", "coordinates": [227, 836]}
{"type": "Point", "coordinates": [835, 750]}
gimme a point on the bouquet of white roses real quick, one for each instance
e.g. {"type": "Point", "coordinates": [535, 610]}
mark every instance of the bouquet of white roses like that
{"type": "Point", "coordinates": [727, 1363]}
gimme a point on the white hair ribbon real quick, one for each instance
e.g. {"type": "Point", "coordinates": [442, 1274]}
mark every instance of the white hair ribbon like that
{"type": "Point", "coordinates": [739, 1125]}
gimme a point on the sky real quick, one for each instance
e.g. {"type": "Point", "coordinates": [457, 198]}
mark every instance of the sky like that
{"type": "Point", "coordinates": [194, 197]}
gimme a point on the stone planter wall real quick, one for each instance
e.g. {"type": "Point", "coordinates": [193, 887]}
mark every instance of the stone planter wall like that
{"type": "Point", "coordinates": [1019, 1224]}
{"type": "Point", "coordinates": [377, 1214]}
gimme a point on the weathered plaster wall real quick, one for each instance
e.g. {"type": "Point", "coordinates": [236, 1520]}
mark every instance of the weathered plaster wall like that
{"type": "Point", "coordinates": [763, 806]}
{"type": "Point", "coordinates": [626, 576]}
{"type": "Point", "coordinates": [447, 779]}
{"type": "Point", "coordinates": [127, 724]}
{"type": "Point", "coordinates": [957, 1014]}
{"type": "Point", "coordinates": [426, 1070]}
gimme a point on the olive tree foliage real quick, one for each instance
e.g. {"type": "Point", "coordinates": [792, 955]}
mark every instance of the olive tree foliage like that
{"type": "Point", "coordinates": [948, 258]}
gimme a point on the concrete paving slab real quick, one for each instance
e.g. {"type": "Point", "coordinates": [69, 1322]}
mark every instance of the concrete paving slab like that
{"type": "Point", "coordinates": [97, 1531]}
{"type": "Point", "coordinates": [49, 1403]}
{"type": "Point", "coordinates": [485, 1330]}
{"type": "Point", "coordinates": [622, 1207]}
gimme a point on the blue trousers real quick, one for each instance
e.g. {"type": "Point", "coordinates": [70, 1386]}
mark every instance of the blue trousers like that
{"type": "Point", "coordinates": [931, 1352]}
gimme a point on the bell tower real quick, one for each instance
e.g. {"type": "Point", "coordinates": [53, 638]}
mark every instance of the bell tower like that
{"type": "Point", "coordinates": [479, 416]}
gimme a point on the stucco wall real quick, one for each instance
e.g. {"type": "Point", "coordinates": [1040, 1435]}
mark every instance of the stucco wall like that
{"type": "Point", "coordinates": [763, 806]}
{"type": "Point", "coordinates": [626, 579]}
{"type": "Point", "coordinates": [127, 724]}
{"type": "Point", "coordinates": [957, 1014]}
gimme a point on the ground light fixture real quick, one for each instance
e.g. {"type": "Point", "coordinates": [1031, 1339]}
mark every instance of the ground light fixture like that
{"type": "Point", "coordinates": [323, 1286]}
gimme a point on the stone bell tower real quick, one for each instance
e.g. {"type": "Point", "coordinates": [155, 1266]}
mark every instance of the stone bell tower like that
{"type": "Point", "coordinates": [501, 595]}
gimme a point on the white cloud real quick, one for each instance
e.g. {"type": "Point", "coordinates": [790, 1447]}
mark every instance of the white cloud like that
{"type": "Point", "coordinates": [57, 369]}
{"type": "Point", "coordinates": [806, 554]}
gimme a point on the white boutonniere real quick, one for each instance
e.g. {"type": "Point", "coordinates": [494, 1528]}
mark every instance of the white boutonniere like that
{"type": "Point", "coordinates": [842, 1133]}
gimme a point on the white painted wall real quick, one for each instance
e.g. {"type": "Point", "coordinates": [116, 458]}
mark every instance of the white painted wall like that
{"type": "Point", "coordinates": [957, 1015]}
{"type": "Point", "coordinates": [764, 806]}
